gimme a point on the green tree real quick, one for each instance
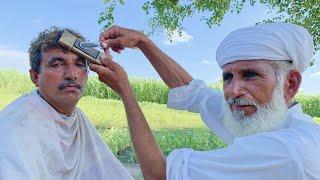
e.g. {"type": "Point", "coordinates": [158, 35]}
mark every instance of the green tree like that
{"type": "Point", "coordinates": [169, 14]}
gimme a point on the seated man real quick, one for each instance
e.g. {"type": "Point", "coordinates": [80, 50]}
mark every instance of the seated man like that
{"type": "Point", "coordinates": [268, 135]}
{"type": "Point", "coordinates": [43, 135]}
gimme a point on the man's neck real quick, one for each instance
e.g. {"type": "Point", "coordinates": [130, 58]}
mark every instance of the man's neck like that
{"type": "Point", "coordinates": [60, 108]}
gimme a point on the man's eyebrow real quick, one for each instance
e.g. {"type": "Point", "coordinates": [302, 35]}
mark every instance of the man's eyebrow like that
{"type": "Point", "coordinates": [249, 70]}
{"type": "Point", "coordinates": [258, 71]}
{"type": "Point", "coordinates": [54, 59]}
{"type": "Point", "coordinates": [79, 59]}
{"type": "Point", "coordinates": [226, 73]}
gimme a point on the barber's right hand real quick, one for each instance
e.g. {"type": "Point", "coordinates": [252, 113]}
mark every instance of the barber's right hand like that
{"type": "Point", "coordinates": [118, 38]}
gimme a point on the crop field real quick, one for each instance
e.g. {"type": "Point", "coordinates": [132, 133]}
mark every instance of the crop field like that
{"type": "Point", "coordinates": [172, 129]}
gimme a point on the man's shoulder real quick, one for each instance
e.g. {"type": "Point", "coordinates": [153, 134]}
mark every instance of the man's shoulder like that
{"type": "Point", "coordinates": [19, 104]}
{"type": "Point", "coordinates": [14, 116]}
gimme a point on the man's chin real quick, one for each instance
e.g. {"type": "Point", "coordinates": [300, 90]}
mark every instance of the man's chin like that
{"type": "Point", "coordinates": [239, 124]}
{"type": "Point", "coordinates": [71, 89]}
{"type": "Point", "coordinates": [71, 97]}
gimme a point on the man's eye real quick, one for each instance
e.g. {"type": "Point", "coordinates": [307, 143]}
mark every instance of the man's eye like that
{"type": "Point", "coordinates": [55, 65]}
{"type": "Point", "coordinates": [250, 74]}
{"type": "Point", "coordinates": [80, 65]}
{"type": "Point", "coordinates": [227, 77]}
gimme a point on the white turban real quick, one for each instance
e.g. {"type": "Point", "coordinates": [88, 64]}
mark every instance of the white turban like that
{"type": "Point", "coordinates": [270, 41]}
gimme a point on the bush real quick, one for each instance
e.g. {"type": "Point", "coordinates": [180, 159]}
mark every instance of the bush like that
{"type": "Point", "coordinates": [310, 104]}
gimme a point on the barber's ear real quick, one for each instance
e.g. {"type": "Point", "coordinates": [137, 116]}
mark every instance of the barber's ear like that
{"type": "Point", "coordinates": [34, 76]}
{"type": "Point", "coordinates": [292, 84]}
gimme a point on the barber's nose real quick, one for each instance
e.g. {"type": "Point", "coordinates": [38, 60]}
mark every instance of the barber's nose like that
{"type": "Point", "coordinates": [235, 89]}
{"type": "Point", "coordinates": [71, 72]}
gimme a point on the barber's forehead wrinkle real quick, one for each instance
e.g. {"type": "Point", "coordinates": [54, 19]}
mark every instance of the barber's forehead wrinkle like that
{"type": "Point", "coordinates": [262, 66]}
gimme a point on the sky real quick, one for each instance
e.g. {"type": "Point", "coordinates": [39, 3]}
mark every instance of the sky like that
{"type": "Point", "coordinates": [21, 21]}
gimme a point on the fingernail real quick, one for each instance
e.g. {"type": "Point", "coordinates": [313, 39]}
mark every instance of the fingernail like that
{"type": "Point", "coordinates": [104, 44]}
{"type": "Point", "coordinates": [103, 56]}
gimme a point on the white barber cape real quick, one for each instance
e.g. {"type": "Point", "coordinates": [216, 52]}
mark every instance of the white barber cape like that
{"type": "Point", "coordinates": [37, 143]}
{"type": "Point", "coordinates": [291, 152]}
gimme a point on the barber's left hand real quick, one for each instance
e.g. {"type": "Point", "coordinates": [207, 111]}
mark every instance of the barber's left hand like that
{"type": "Point", "coordinates": [113, 75]}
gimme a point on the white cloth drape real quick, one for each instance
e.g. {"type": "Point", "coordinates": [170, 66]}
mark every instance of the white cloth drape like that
{"type": "Point", "coordinates": [36, 142]}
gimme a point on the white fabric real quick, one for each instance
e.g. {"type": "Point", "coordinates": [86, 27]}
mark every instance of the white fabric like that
{"type": "Point", "coordinates": [37, 143]}
{"type": "Point", "coordinates": [271, 41]}
{"type": "Point", "coordinates": [290, 152]}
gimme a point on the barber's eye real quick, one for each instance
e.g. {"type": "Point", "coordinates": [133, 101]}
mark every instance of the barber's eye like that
{"type": "Point", "coordinates": [227, 77]}
{"type": "Point", "coordinates": [250, 74]}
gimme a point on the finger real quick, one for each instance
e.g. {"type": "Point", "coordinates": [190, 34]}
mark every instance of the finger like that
{"type": "Point", "coordinates": [116, 49]}
{"type": "Point", "coordinates": [101, 70]}
{"type": "Point", "coordinates": [106, 51]}
{"type": "Point", "coordinates": [105, 59]}
{"type": "Point", "coordinates": [104, 44]}
{"type": "Point", "coordinates": [114, 66]}
{"type": "Point", "coordinates": [110, 33]}
{"type": "Point", "coordinates": [113, 43]}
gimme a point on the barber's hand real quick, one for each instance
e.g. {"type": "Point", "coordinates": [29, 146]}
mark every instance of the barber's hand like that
{"type": "Point", "coordinates": [118, 38]}
{"type": "Point", "coordinates": [113, 75]}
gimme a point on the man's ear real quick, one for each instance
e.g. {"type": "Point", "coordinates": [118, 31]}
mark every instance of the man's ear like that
{"type": "Point", "coordinates": [34, 76]}
{"type": "Point", "coordinates": [292, 84]}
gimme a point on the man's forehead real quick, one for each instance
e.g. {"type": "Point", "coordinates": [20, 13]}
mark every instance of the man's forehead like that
{"type": "Point", "coordinates": [61, 53]}
{"type": "Point", "coordinates": [247, 64]}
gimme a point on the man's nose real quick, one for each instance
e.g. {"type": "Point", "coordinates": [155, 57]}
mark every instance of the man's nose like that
{"type": "Point", "coordinates": [71, 72]}
{"type": "Point", "coordinates": [235, 89]}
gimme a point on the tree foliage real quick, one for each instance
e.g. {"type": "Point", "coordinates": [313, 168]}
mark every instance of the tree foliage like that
{"type": "Point", "coordinates": [305, 13]}
{"type": "Point", "coordinates": [169, 14]}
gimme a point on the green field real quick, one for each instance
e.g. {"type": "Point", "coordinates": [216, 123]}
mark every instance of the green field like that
{"type": "Point", "coordinates": [172, 128]}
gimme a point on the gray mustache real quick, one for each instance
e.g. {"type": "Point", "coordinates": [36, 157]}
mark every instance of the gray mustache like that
{"type": "Point", "coordinates": [69, 83]}
{"type": "Point", "coordinates": [240, 101]}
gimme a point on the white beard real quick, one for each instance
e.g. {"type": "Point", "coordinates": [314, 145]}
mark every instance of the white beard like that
{"type": "Point", "coordinates": [265, 118]}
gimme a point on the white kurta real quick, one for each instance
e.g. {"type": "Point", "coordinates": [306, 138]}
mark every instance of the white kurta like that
{"type": "Point", "coordinates": [36, 142]}
{"type": "Point", "coordinates": [291, 152]}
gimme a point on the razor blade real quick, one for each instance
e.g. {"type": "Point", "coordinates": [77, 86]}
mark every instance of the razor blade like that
{"type": "Point", "coordinates": [68, 40]}
{"type": "Point", "coordinates": [87, 45]}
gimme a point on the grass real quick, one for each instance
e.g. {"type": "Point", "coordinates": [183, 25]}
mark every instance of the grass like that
{"type": "Point", "coordinates": [168, 139]}
{"type": "Point", "coordinates": [310, 104]}
{"type": "Point", "coordinates": [7, 96]}
{"type": "Point", "coordinates": [172, 129]}
{"type": "Point", "coordinates": [109, 113]}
